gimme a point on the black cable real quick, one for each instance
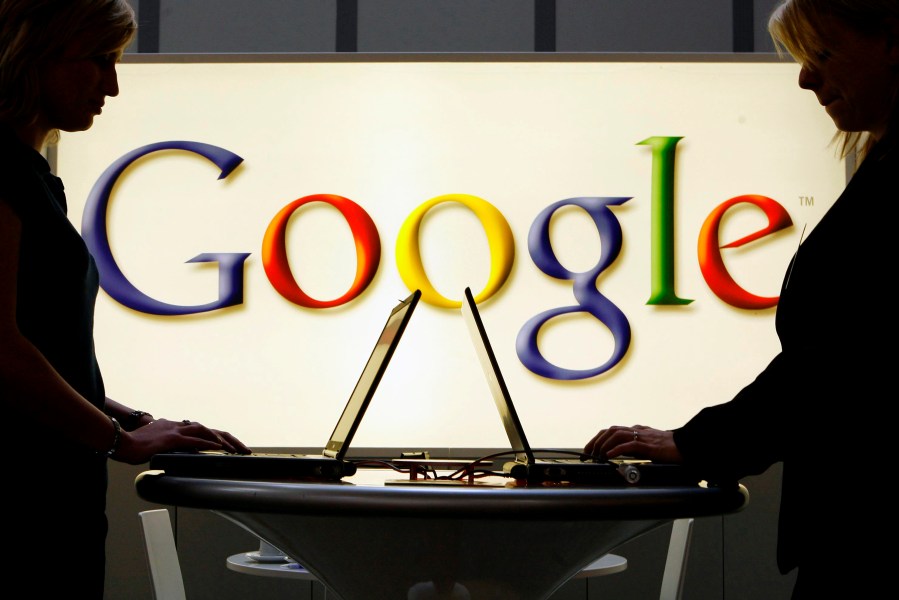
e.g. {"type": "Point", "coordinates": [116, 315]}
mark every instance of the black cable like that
{"type": "Point", "coordinates": [148, 27]}
{"type": "Point", "coordinates": [544, 25]}
{"type": "Point", "coordinates": [347, 31]}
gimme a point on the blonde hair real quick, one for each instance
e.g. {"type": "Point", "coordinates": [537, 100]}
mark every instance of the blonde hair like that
{"type": "Point", "coordinates": [796, 27]}
{"type": "Point", "coordinates": [33, 32]}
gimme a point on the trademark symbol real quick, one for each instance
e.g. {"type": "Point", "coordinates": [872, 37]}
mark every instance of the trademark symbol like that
{"type": "Point", "coordinates": [806, 200]}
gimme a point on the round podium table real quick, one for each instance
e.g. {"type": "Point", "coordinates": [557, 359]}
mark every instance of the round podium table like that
{"type": "Point", "coordinates": [363, 538]}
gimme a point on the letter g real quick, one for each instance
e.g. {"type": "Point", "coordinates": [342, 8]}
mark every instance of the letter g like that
{"type": "Point", "coordinates": [96, 236]}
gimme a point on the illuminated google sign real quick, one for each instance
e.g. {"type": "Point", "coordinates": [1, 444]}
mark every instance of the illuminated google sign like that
{"type": "Point", "coordinates": [500, 240]}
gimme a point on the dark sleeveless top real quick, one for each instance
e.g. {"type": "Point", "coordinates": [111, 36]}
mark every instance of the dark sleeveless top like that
{"type": "Point", "coordinates": [55, 488]}
{"type": "Point", "coordinates": [58, 280]}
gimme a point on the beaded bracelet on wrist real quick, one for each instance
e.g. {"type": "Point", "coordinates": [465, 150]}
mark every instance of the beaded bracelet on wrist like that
{"type": "Point", "coordinates": [117, 429]}
{"type": "Point", "coordinates": [134, 417]}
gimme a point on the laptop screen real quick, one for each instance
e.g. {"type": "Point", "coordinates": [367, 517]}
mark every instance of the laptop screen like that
{"type": "Point", "coordinates": [371, 376]}
{"type": "Point", "coordinates": [495, 380]}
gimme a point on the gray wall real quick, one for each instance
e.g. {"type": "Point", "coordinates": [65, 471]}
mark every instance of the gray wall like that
{"type": "Point", "coordinates": [732, 557]}
{"type": "Point", "coordinates": [238, 26]}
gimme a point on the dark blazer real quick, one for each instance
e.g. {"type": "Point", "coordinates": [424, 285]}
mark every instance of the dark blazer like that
{"type": "Point", "coordinates": [828, 386]}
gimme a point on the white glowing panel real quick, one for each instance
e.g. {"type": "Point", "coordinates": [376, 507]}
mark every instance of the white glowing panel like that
{"type": "Point", "coordinates": [392, 135]}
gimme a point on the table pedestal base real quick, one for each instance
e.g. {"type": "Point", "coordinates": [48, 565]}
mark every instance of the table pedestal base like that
{"type": "Point", "coordinates": [396, 558]}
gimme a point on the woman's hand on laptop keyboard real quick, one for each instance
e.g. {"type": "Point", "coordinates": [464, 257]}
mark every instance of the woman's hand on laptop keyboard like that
{"type": "Point", "coordinates": [638, 441]}
{"type": "Point", "coordinates": [162, 435]}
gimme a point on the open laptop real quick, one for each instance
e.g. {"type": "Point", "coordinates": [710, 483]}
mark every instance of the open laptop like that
{"type": "Point", "coordinates": [527, 466]}
{"type": "Point", "coordinates": [331, 463]}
